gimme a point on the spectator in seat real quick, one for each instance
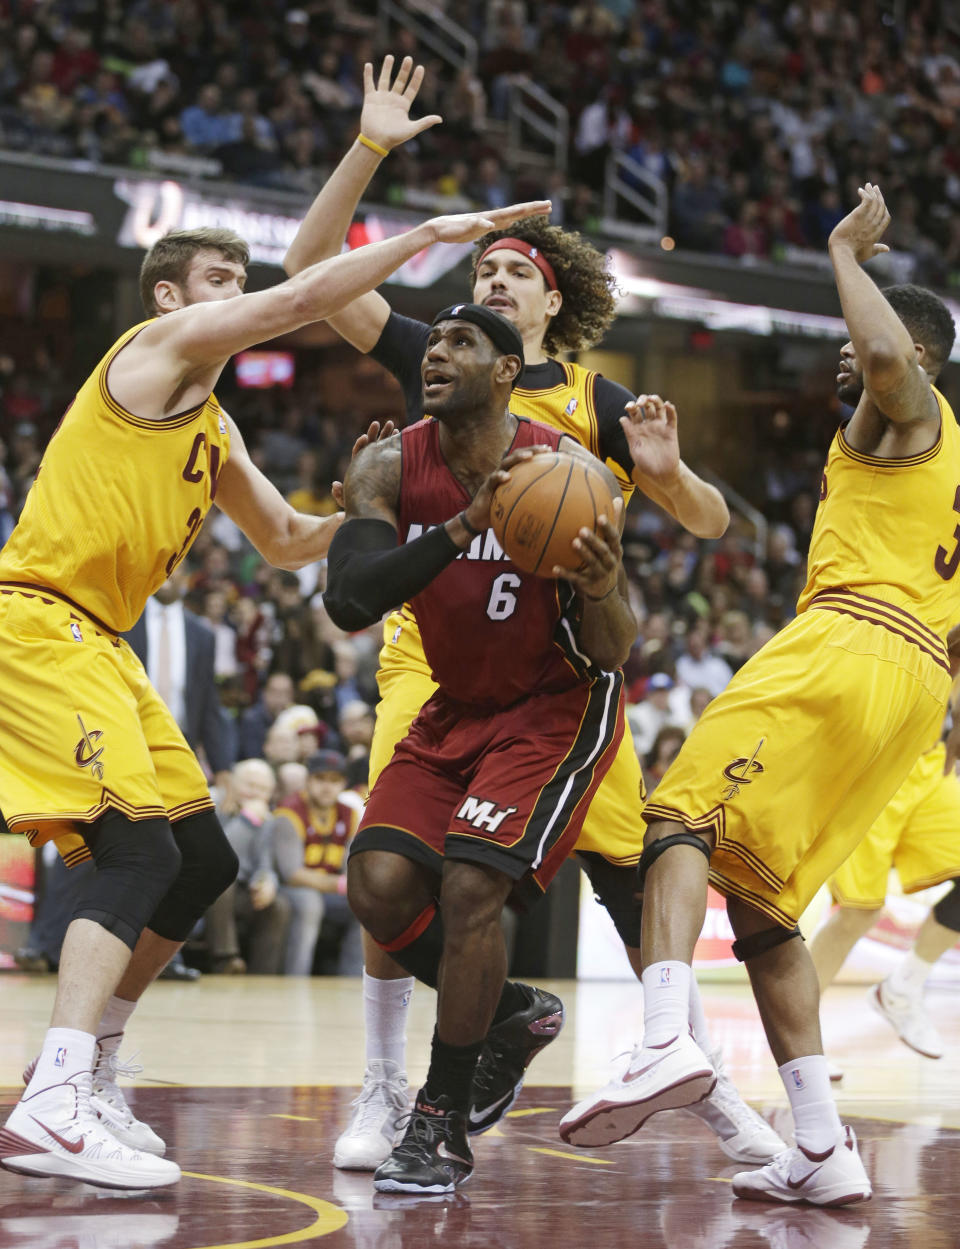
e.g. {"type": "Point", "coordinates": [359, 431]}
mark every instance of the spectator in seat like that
{"type": "Point", "coordinates": [311, 831]}
{"type": "Point", "coordinates": [247, 926]}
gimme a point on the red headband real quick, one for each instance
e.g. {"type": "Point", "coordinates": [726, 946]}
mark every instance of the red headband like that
{"type": "Point", "coordinates": [533, 254]}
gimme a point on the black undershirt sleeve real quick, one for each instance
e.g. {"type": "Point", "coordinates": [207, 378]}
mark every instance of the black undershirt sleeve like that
{"type": "Point", "coordinates": [400, 349]}
{"type": "Point", "coordinates": [368, 574]}
{"type": "Point", "coordinates": [609, 399]}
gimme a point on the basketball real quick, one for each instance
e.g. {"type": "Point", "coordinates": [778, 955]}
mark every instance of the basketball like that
{"type": "Point", "coordinates": [537, 513]}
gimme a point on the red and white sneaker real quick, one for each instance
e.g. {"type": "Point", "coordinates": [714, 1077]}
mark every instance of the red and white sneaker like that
{"type": "Point", "coordinates": [664, 1077]}
{"type": "Point", "coordinates": [55, 1132]}
{"type": "Point", "coordinates": [110, 1106]}
{"type": "Point", "coordinates": [836, 1178]}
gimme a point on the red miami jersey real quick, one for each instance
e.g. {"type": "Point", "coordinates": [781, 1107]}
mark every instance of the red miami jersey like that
{"type": "Point", "coordinates": [325, 838]}
{"type": "Point", "coordinates": [492, 634]}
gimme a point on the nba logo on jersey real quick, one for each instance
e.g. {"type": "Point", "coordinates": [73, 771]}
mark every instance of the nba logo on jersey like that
{"type": "Point", "coordinates": [664, 975]}
{"type": "Point", "coordinates": [61, 1057]}
{"type": "Point", "coordinates": [222, 425]}
{"type": "Point", "coordinates": [571, 407]}
{"type": "Point", "coordinates": [797, 1079]}
{"type": "Point", "coordinates": [75, 630]}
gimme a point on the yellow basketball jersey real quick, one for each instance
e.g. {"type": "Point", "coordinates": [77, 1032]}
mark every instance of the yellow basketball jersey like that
{"type": "Point", "coordinates": [570, 408]}
{"type": "Point", "coordinates": [889, 530]}
{"type": "Point", "coordinates": [117, 501]}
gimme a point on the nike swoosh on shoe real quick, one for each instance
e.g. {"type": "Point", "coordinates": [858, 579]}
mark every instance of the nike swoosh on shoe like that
{"type": "Point", "coordinates": [73, 1147]}
{"type": "Point", "coordinates": [475, 1119]}
{"type": "Point", "coordinates": [795, 1184]}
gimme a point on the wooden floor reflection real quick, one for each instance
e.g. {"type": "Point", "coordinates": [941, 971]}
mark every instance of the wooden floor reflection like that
{"type": "Point", "coordinates": [250, 1082]}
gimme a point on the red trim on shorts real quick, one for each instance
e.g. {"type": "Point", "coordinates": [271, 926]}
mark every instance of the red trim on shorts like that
{"type": "Point", "coordinates": [410, 934]}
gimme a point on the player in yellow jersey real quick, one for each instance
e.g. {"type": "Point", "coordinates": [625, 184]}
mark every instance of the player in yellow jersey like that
{"type": "Point", "coordinates": [918, 834]}
{"type": "Point", "coordinates": [89, 755]}
{"type": "Point", "coordinates": [787, 769]}
{"type": "Point", "coordinates": [555, 287]}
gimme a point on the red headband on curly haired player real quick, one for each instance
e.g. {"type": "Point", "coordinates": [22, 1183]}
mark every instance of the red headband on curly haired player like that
{"type": "Point", "coordinates": [533, 254]}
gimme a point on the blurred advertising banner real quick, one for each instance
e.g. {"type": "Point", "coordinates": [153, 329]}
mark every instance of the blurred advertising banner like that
{"type": "Point", "coordinates": [16, 894]}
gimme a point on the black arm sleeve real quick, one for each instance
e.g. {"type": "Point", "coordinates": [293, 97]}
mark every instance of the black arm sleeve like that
{"type": "Point", "coordinates": [609, 400]}
{"type": "Point", "coordinates": [367, 573]}
{"type": "Point", "coordinates": [400, 349]}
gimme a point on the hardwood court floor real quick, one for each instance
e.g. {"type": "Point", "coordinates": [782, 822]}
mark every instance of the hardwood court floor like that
{"type": "Point", "coordinates": [249, 1080]}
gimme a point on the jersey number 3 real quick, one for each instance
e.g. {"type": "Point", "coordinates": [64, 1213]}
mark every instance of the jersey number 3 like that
{"type": "Point", "coordinates": [946, 565]}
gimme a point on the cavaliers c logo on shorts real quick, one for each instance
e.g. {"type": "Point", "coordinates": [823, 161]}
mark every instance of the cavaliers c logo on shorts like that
{"type": "Point", "coordinates": [87, 753]}
{"type": "Point", "coordinates": [739, 771]}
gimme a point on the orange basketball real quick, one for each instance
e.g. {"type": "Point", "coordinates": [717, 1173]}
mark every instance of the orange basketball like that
{"type": "Point", "coordinates": [537, 513]}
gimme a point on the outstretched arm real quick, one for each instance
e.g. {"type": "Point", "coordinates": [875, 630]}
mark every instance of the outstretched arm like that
{"type": "Point", "coordinates": [650, 426]}
{"type": "Point", "coordinates": [385, 121]}
{"type": "Point", "coordinates": [892, 376]}
{"type": "Point", "coordinates": [182, 353]}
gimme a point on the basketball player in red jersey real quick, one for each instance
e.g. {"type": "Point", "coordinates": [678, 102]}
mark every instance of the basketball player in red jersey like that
{"type": "Point", "coordinates": [555, 287]}
{"type": "Point", "coordinates": [484, 798]}
{"type": "Point", "coordinates": [90, 757]}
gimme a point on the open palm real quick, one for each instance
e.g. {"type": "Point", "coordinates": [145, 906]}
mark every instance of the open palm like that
{"type": "Point", "coordinates": [386, 108]}
{"type": "Point", "coordinates": [650, 425]}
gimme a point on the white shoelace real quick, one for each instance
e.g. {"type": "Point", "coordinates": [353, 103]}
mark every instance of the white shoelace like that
{"type": "Point", "coordinates": [374, 1101]}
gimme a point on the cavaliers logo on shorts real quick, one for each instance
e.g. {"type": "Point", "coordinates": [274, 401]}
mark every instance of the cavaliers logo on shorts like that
{"type": "Point", "coordinates": [87, 753]}
{"type": "Point", "coordinates": [742, 771]}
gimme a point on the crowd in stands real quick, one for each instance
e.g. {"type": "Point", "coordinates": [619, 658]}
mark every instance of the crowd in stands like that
{"type": "Point", "coordinates": [761, 118]}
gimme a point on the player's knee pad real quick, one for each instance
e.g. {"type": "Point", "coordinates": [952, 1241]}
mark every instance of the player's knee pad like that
{"type": "Point", "coordinates": [208, 865]}
{"type": "Point", "coordinates": [653, 850]}
{"type": "Point", "coordinates": [947, 910]}
{"type": "Point", "coordinates": [616, 889]}
{"type": "Point", "coordinates": [137, 862]}
{"type": "Point", "coordinates": [419, 947]}
{"type": "Point", "coordinates": [757, 943]}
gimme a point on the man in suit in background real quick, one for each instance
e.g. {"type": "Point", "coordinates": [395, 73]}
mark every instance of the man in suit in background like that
{"type": "Point", "coordinates": [176, 648]}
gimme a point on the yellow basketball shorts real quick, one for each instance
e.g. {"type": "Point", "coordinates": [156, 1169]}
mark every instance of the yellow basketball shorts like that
{"type": "Point", "coordinates": [612, 828]}
{"type": "Point", "coordinates": [792, 763]}
{"type": "Point", "coordinates": [917, 832]}
{"type": "Point", "coordinates": [82, 729]}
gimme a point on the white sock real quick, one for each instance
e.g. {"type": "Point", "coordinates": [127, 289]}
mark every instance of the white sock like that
{"type": "Point", "coordinates": [385, 1006]}
{"type": "Point", "coordinates": [65, 1053]}
{"type": "Point", "coordinates": [698, 1020]}
{"type": "Point", "coordinates": [113, 1022]}
{"type": "Point", "coordinates": [909, 975]}
{"type": "Point", "coordinates": [666, 1002]}
{"type": "Point", "coordinates": [817, 1124]}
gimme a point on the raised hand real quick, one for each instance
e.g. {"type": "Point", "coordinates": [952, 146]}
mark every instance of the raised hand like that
{"type": "Point", "coordinates": [374, 434]}
{"type": "Point", "coordinates": [465, 227]}
{"type": "Point", "coordinates": [861, 229]}
{"type": "Point", "coordinates": [650, 425]}
{"type": "Point", "coordinates": [385, 118]}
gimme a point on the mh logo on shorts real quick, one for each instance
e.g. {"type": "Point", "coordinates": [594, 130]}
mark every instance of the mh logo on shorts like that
{"type": "Point", "coordinates": [87, 753]}
{"type": "Point", "coordinates": [482, 813]}
{"type": "Point", "coordinates": [742, 771]}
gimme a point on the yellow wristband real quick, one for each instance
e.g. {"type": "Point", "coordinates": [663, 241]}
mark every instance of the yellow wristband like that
{"type": "Point", "coordinates": [374, 147]}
